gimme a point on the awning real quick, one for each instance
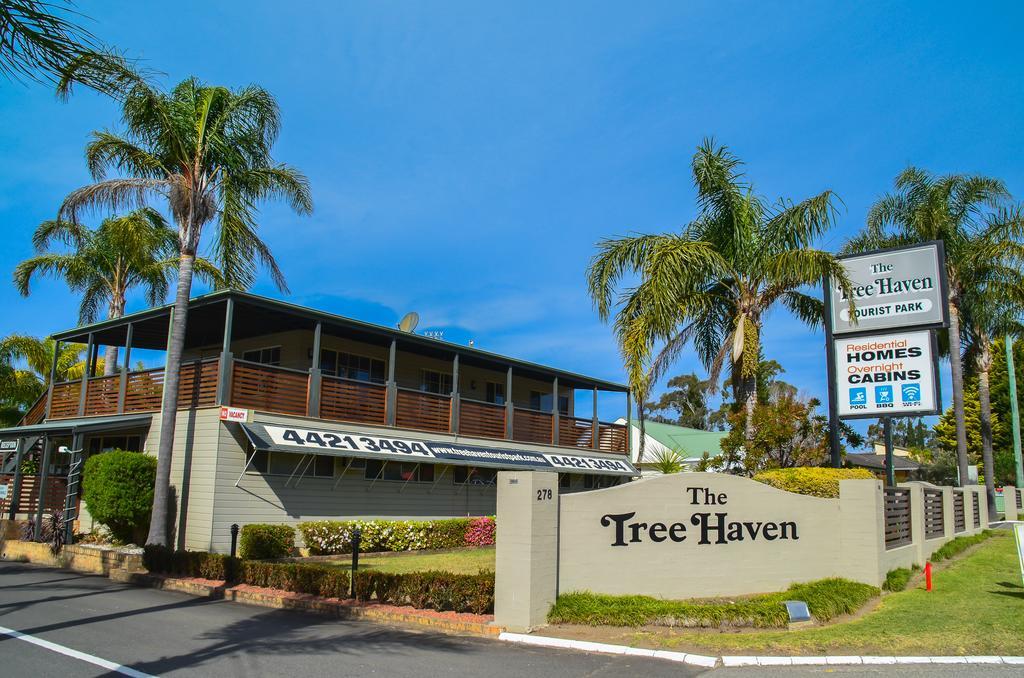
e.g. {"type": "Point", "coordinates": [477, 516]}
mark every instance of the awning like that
{"type": "Point", "coordinates": [118, 422]}
{"type": "Point", "coordinates": [340, 443]}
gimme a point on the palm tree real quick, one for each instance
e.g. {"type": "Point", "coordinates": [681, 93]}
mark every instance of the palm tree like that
{"type": "Point", "coordinates": [25, 371]}
{"type": "Point", "coordinates": [206, 151]}
{"type": "Point", "coordinates": [135, 250]}
{"type": "Point", "coordinates": [952, 208]}
{"type": "Point", "coordinates": [713, 283]}
{"type": "Point", "coordinates": [991, 306]}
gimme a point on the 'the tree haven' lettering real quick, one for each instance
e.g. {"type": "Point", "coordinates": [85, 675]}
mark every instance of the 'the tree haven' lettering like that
{"type": "Point", "coordinates": [711, 527]}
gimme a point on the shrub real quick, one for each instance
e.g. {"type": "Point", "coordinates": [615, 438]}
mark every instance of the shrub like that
{"type": "Point", "coordinates": [118, 488]}
{"type": "Point", "coordinates": [813, 481]}
{"type": "Point", "coordinates": [162, 560]}
{"type": "Point", "coordinates": [266, 542]}
{"type": "Point", "coordinates": [480, 532]}
{"type": "Point", "coordinates": [826, 599]}
{"type": "Point", "coordinates": [324, 537]}
{"type": "Point", "coordinates": [897, 580]}
{"type": "Point", "coordinates": [959, 545]}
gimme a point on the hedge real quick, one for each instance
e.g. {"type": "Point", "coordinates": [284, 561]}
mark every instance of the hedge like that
{"type": "Point", "coordinates": [325, 537]}
{"type": "Point", "coordinates": [266, 542]}
{"type": "Point", "coordinates": [825, 598]}
{"type": "Point", "coordinates": [442, 591]}
{"type": "Point", "coordinates": [813, 481]}
{"type": "Point", "coordinates": [117, 486]}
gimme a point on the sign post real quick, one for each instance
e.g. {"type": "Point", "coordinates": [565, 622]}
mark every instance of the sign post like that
{"type": "Point", "coordinates": [1014, 413]}
{"type": "Point", "coordinates": [881, 355]}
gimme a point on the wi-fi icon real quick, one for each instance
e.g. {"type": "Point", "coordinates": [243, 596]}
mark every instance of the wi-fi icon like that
{"type": "Point", "coordinates": [911, 392]}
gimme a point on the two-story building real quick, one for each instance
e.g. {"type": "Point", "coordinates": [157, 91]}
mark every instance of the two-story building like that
{"type": "Point", "coordinates": [288, 414]}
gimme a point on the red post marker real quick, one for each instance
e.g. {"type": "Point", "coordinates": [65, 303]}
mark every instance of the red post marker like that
{"type": "Point", "coordinates": [928, 576]}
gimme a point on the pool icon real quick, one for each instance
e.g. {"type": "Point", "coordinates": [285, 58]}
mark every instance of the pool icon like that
{"type": "Point", "coordinates": [859, 396]}
{"type": "Point", "coordinates": [883, 394]}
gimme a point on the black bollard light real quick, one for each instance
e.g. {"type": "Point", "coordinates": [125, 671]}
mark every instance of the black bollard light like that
{"type": "Point", "coordinates": [357, 536]}
{"type": "Point", "coordinates": [234, 538]}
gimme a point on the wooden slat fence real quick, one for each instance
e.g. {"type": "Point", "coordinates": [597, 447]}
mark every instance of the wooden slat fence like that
{"type": "Point", "coordinates": [934, 520]}
{"type": "Point", "coordinates": [481, 419]}
{"type": "Point", "coordinates": [56, 490]}
{"type": "Point", "coordinates": [959, 519]}
{"type": "Point", "coordinates": [423, 411]}
{"type": "Point", "coordinates": [65, 399]}
{"type": "Point", "coordinates": [575, 432]}
{"type": "Point", "coordinates": [897, 517]}
{"type": "Point", "coordinates": [977, 508]}
{"type": "Point", "coordinates": [612, 437]}
{"type": "Point", "coordinates": [350, 400]}
{"type": "Point", "coordinates": [269, 388]}
{"type": "Point", "coordinates": [531, 426]}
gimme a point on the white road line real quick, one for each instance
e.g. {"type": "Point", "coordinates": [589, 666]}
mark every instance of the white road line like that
{"type": "Point", "coordinates": [68, 652]}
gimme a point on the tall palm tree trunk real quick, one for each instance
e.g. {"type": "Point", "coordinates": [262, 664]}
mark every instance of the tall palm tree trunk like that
{"type": "Point", "coordinates": [956, 369]}
{"type": "Point", "coordinates": [169, 408]}
{"type": "Point", "coordinates": [985, 365]}
{"type": "Point", "coordinates": [110, 357]}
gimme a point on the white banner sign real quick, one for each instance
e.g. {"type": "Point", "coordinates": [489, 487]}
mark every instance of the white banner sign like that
{"type": "Point", "coordinates": [886, 375]}
{"type": "Point", "coordinates": [892, 288]}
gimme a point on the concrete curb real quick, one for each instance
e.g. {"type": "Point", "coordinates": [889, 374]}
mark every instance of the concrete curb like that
{"type": "Point", "coordinates": [731, 661]}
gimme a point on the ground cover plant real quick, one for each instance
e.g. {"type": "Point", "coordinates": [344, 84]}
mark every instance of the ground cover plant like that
{"type": "Point", "coordinates": [826, 599]}
{"type": "Point", "coordinates": [897, 580]}
{"type": "Point", "coordinates": [959, 545]}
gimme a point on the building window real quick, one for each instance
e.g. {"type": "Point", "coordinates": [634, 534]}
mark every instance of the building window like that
{"type": "Point", "coordinates": [564, 481]}
{"type": "Point", "coordinates": [466, 475]}
{"type": "Point", "coordinates": [598, 482]}
{"type": "Point", "coordinates": [351, 366]}
{"type": "Point", "coordinates": [107, 443]}
{"type": "Point", "coordinates": [436, 382]}
{"type": "Point", "coordinates": [542, 401]}
{"type": "Point", "coordinates": [265, 356]}
{"type": "Point", "coordinates": [495, 393]}
{"type": "Point", "coordinates": [400, 471]}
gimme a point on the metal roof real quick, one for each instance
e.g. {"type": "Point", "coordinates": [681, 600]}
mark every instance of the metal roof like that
{"type": "Point", "coordinates": [80, 425]}
{"type": "Point", "coordinates": [207, 332]}
{"type": "Point", "coordinates": [877, 461]}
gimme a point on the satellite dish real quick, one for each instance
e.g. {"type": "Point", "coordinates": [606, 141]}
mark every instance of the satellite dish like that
{"type": "Point", "coordinates": [409, 321]}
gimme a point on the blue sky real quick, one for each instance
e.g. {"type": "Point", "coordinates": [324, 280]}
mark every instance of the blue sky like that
{"type": "Point", "coordinates": [465, 157]}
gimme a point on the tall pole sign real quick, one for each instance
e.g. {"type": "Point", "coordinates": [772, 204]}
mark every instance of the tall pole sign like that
{"type": "Point", "coordinates": [881, 353]}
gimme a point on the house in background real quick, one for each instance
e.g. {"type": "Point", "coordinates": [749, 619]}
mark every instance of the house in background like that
{"type": "Point", "coordinates": [905, 468]}
{"type": "Point", "coordinates": [689, 443]}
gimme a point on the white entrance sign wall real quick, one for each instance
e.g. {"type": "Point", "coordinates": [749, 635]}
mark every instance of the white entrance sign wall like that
{"type": "Point", "coordinates": [891, 289]}
{"type": "Point", "coordinates": [696, 535]}
{"type": "Point", "coordinates": [886, 375]}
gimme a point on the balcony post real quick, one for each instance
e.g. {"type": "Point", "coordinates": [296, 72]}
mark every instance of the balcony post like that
{"type": "Point", "coordinates": [122, 387]}
{"type": "Point", "coordinates": [315, 376]}
{"type": "Point", "coordinates": [391, 396]}
{"type": "Point", "coordinates": [509, 407]}
{"type": "Point", "coordinates": [454, 427]}
{"type": "Point", "coordinates": [596, 424]}
{"type": "Point", "coordinates": [42, 478]}
{"type": "Point", "coordinates": [629, 424]}
{"type": "Point", "coordinates": [85, 376]}
{"type": "Point", "coordinates": [554, 412]}
{"type": "Point", "coordinates": [226, 359]}
{"type": "Point", "coordinates": [53, 377]}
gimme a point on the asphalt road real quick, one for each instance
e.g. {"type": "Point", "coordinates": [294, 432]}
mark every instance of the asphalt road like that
{"type": "Point", "coordinates": [166, 633]}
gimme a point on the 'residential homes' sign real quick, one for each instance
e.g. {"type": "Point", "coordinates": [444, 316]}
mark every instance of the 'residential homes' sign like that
{"type": "Point", "coordinates": [893, 288]}
{"type": "Point", "coordinates": [887, 375]}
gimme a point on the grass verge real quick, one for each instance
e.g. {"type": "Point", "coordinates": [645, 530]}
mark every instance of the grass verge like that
{"type": "Point", "coordinates": [826, 599]}
{"type": "Point", "coordinates": [976, 607]}
{"type": "Point", "coordinates": [464, 561]}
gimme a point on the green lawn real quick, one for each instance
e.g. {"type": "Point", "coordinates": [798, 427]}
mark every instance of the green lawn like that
{"type": "Point", "coordinates": [977, 607]}
{"type": "Point", "coordinates": [463, 561]}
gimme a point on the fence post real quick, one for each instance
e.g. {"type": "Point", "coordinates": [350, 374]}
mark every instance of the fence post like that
{"type": "Point", "coordinates": [917, 521]}
{"type": "Point", "coordinates": [948, 519]}
{"type": "Point", "coordinates": [234, 539]}
{"type": "Point", "coordinates": [1010, 502]}
{"type": "Point", "coordinates": [526, 561]}
{"type": "Point", "coordinates": [862, 529]}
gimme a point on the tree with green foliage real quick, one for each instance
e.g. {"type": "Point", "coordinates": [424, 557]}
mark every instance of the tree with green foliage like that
{"type": "Point", "coordinates": [787, 432]}
{"type": "Point", "coordinates": [713, 283]}
{"type": "Point", "coordinates": [908, 433]}
{"type": "Point", "coordinates": [969, 214]}
{"type": "Point", "coordinates": [205, 152]}
{"type": "Point", "coordinates": [117, 486]}
{"type": "Point", "coordinates": [104, 264]}
{"type": "Point", "coordinates": [687, 399]}
{"type": "Point", "coordinates": [25, 372]}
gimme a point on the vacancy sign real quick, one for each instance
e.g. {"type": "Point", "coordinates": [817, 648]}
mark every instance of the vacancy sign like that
{"type": "Point", "coordinates": [886, 375]}
{"type": "Point", "coordinates": [895, 288]}
{"type": "Point", "coordinates": [234, 414]}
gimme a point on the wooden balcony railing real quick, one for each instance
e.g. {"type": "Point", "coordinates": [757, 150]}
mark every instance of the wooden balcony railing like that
{"type": "Point", "coordinates": [28, 502]}
{"type": "Point", "coordinates": [350, 400]}
{"type": "Point", "coordinates": [531, 426]}
{"type": "Point", "coordinates": [423, 411]}
{"type": "Point", "coordinates": [481, 419]}
{"type": "Point", "coordinates": [269, 388]}
{"type": "Point", "coordinates": [36, 413]}
{"type": "Point", "coordinates": [281, 390]}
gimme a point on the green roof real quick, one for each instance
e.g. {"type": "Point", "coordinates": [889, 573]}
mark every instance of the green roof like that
{"type": "Point", "coordinates": [692, 442]}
